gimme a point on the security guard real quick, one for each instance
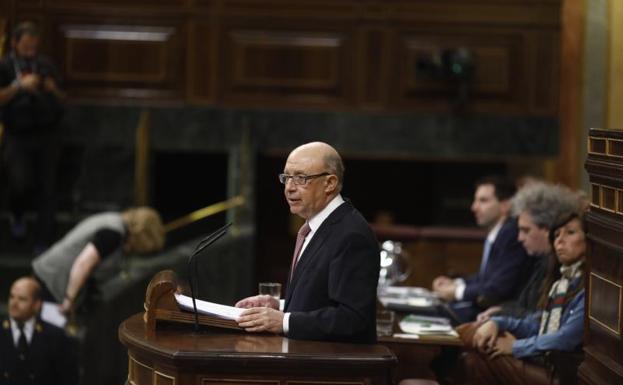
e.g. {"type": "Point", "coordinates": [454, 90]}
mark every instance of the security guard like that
{"type": "Point", "coordinates": [33, 352]}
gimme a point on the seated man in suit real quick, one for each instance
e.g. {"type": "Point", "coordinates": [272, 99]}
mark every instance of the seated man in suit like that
{"type": "Point", "coordinates": [537, 207]}
{"type": "Point", "coordinates": [331, 293]}
{"type": "Point", "coordinates": [505, 264]}
{"type": "Point", "coordinates": [33, 351]}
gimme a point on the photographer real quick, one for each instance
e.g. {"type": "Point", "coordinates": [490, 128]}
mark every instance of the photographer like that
{"type": "Point", "coordinates": [30, 103]}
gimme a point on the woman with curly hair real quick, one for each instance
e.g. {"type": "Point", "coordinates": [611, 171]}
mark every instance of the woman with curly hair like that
{"type": "Point", "coordinates": [509, 350]}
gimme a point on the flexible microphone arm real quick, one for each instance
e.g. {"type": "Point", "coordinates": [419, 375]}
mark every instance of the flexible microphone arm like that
{"type": "Point", "coordinates": [202, 245]}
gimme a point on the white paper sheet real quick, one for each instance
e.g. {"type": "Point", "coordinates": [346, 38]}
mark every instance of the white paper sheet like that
{"type": "Point", "coordinates": [50, 313]}
{"type": "Point", "coordinates": [210, 308]}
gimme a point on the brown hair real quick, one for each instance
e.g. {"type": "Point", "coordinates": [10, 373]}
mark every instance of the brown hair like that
{"type": "Point", "coordinates": [553, 268]}
{"type": "Point", "coordinates": [145, 230]}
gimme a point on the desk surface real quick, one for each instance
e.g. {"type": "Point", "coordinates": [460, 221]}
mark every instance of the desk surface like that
{"type": "Point", "coordinates": [437, 340]}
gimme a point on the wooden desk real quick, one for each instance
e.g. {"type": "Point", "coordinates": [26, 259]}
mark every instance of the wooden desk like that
{"type": "Point", "coordinates": [176, 355]}
{"type": "Point", "coordinates": [415, 355]}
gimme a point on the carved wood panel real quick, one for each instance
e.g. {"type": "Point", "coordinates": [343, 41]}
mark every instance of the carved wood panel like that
{"type": "Point", "coordinates": [498, 77]}
{"type": "Point", "coordinates": [306, 53]}
{"type": "Point", "coordinates": [602, 344]}
{"type": "Point", "coordinates": [133, 61]}
{"type": "Point", "coordinates": [285, 66]}
{"type": "Point", "coordinates": [117, 2]}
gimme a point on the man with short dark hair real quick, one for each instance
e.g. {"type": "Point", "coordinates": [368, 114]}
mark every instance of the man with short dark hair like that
{"type": "Point", "coordinates": [537, 207]}
{"type": "Point", "coordinates": [30, 103]}
{"type": "Point", "coordinates": [505, 264]}
{"type": "Point", "coordinates": [331, 291]}
{"type": "Point", "coordinates": [32, 351]}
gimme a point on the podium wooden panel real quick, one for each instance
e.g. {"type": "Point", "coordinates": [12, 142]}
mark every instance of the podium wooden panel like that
{"type": "Point", "coordinates": [177, 355]}
{"type": "Point", "coordinates": [603, 345]}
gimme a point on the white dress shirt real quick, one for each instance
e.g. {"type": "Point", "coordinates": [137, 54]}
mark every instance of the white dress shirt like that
{"type": "Point", "coordinates": [29, 329]}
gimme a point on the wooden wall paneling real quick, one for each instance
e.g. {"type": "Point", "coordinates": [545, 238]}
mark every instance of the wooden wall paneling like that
{"type": "Point", "coordinates": [29, 3]}
{"type": "Point", "coordinates": [290, 65]}
{"type": "Point", "coordinates": [492, 12]}
{"type": "Point", "coordinates": [431, 258]}
{"type": "Point", "coordinates": [603, 335]}
{"type": "Point", "coordinates": [352, 53]}
{"type": "Point", "coordinates": [122, 59]}
{"type": "Point", "coordinates": [202, 64]}
{"type": "Point", "coordinates": [602, 343]}
{"type": "Point", "coordinates": [544, 98]}
{"type": "Point", "coordinates": [304, 10]}
{"type": "Point", "coordinates": [116, 3]}
{"type": "Point", "coordinates": [373, 66]}
{"type": "Point", "coordinates": [604, 293]}
{"type": "Point", "coordinates": [570, 91]}
{"type": "Point", "coordinates": [499, 78]}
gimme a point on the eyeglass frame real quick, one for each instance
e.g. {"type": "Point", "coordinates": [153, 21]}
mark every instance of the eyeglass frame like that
{"type": "Point", "coordinates": [303, 179]}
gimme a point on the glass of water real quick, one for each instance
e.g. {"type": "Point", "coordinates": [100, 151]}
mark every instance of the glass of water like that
{"type": "Point", "coordinates": [270, 288]}
{"type": "Point", "coordinates": [385, 322]}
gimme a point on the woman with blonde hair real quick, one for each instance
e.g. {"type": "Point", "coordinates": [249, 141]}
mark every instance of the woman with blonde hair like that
{"type": "Point", "coordinates": [94, 250]}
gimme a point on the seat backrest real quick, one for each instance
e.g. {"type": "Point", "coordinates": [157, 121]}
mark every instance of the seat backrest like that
{"type": "Point", "coordinates": [564, 365]}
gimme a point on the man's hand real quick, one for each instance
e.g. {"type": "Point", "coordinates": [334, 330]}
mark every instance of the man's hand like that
{"type": "Point", "coordinates": [261, 319]}
{"type": "Point", "coordinates": [486, 336]}
{"type": "Point", "coordinates": [49, 84]}
{"type": "Point", "coordinates": [444, 287]}
{"type": "Point", "coordinates": [503, 346]}
{"type": "Point", "coordinates": [29, 82]}
{"type": "Point", "coordinates": [258, 301]}
{"type": "Point", "coordinates": [485, 315]}
{"type": "Point", "coordinates": [441, 281]}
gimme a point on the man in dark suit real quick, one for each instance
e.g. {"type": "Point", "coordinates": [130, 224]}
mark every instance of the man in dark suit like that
{"type": "Point", "coordinates": [31, 110]}
{"type": "Point", "coordinates": [505, 264]}
{"type": "Point", "coordinates": [33, 352]}
{"type": "Point", "coordinates": [331, 294]}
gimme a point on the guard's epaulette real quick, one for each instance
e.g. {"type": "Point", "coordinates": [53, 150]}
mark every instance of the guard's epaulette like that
{"type": "Point", "coordinates": [6, 325]}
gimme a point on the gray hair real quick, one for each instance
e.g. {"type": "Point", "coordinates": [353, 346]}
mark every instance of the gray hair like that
{"type": "Point", "coordinates": [334, 163]}
{"type": "Point", "coordinates": [546, 203]}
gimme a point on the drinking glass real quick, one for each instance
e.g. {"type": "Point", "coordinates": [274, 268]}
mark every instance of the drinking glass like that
{"type": "Point", "coordinates": [270, 288]}
{"type": "Point", "coordinates": [384, 322]}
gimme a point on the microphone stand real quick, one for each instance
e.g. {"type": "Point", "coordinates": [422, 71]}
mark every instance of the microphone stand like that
{"type": "Point", "coordinates": [202, 245]}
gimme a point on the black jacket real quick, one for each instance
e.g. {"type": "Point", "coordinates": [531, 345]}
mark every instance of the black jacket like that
{"type": "Point", "coordinates": [51, 357]}
{"type": "Point", "coordinates": [332, 295]}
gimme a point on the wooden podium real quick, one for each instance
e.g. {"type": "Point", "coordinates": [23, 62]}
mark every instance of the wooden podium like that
{"type": "Point", "coordinates": [169, 352]}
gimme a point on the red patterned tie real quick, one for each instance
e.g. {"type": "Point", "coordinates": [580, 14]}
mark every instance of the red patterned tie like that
{"type": "Point", "coordinates": [300, 239]}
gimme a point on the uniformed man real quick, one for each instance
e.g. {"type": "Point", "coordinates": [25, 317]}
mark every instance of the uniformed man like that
{"type": "Point", "coordinates": [33, 352]}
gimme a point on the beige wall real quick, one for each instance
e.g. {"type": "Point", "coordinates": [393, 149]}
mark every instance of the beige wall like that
{"type": "Point", "coordinates": [614, 81]}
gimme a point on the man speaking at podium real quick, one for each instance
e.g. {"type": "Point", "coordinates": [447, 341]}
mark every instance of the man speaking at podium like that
{"type": "Point", "coordinates": [331, 291]}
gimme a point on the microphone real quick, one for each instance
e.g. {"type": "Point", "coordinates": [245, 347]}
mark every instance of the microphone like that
{"type": "Point", "coordinates": [202, 245]}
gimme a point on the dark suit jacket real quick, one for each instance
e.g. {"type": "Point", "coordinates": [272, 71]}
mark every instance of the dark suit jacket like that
{"type": "Point", "coordinates": [526, 303]}
{"type": "Point", "coordinates": [507, 270]}
{"type": "Point", "coordinates": [332, 294]}
{"type": "Point", "coordinates": [51, 358]}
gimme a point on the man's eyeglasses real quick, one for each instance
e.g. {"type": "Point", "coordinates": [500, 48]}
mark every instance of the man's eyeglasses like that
{"type": "Point", "coordinates": [300, 180]}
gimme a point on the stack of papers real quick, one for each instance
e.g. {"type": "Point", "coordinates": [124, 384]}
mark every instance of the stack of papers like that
{"type": "Point", "coordinates": [406, 297]}
{"type": "Point", "coordinates": [209, 308]}
{"type": "Point", "coordinates": [423, 325]}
